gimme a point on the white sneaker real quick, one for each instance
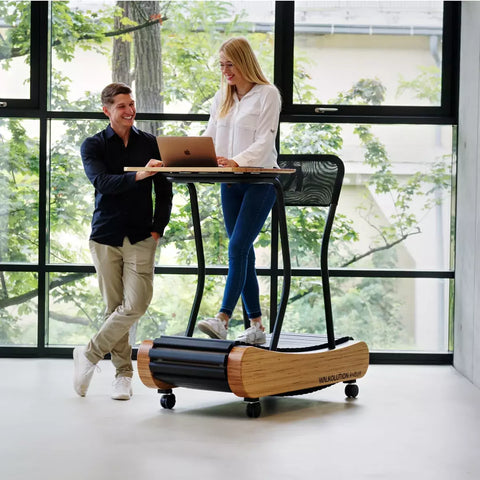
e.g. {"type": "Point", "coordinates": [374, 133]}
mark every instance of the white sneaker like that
{"type": "Point", "coordinates": [83, 371]}
{"type": "Point", "coordinates": [122, 388]}
{"type": "Point", "coordinates": [254, 335]}
{"type": "Point", "coordinates": [213, 327]}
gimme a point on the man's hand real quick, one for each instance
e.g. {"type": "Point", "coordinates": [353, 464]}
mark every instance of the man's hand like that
{"type": "Point", "coordinates": [151, 163]}
{"type": "Point", "coordinates": [156, 236]}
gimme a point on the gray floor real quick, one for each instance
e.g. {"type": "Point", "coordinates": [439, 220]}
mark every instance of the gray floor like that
{"type": "Point", "coordinates": [409, 422]}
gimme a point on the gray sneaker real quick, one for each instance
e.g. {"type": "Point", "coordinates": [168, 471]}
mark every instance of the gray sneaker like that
{"type": "Point", "coordinates": [83, 371]}
{"type": "Point", "coordinates": [253, 335]}
{"type": "Point", "coordinates": [213, 327]}
{"type": "Point", "coordinates": [122, 388]}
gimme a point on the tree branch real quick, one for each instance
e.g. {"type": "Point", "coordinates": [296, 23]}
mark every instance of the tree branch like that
{"type": "Point", "coordinates": [12, 52]}
{"type": "Point", "coordinates": [58, 282]}
{"type": "Point", "coordinates": [356, 259]}
{"type": "Point", "coordinates": [60, 317]}
{"type": "Point", "coordinates": [387, 245]}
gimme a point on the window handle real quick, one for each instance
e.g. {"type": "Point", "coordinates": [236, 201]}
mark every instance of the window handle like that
{"type": "Point", "coordinates": [325, 109]}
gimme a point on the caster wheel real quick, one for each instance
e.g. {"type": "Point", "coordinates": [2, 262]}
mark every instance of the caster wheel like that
{"type": "Point", "coordinates": [167, 401]}
{"type": "Point", "coordinates": [351, 390]}
{"type": "Point", "coordinates": [254, 409]}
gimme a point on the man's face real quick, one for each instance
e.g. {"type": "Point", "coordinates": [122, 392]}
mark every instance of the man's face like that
{"type": "Point", "coordinates": [121, 112]}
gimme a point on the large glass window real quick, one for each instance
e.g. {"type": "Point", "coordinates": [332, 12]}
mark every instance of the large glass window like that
{"type": "Point", "coordinates": [18, 308]}
{"type": "Point", "coordinates": [76, 311]}
{"type": "Point", "coordinates": [368, 53]}
{"type": "Point", "coordinates": [386, 69]}
{"type": "Point", "coordinates": [19, 233]}
{"type": "Point", "coordinates": [395, 207]}
{"type": "Point", "coordinates": [167, 51]}
{"type": "Point", "coordinates": [14, 51]}
{"type": "Point", "coordinates": [19, 184]}
{"type": "Point", "coordinates": [71, 194]}
{"type": "Point", "coordinates": [390, 314]}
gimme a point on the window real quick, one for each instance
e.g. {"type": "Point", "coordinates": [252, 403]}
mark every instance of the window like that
{"type": "Point", "coordinates": [167, 51]}
{"type": "Point", "coordinates": [346, 47]}
{"type": "Point", "coordinates": [370, 58]}
{"type": "Point", "coordinates": [384, 75]}
{"type": "Point", "coordinates": [19, 55]}
{"type": "Point", "coordinates": [396, 202]}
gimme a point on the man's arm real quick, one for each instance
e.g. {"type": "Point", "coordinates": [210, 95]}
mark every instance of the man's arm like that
{"type": "Point", "coordinates": [163, 204]}
{"type": "Point", "coordinates": [94, 163]}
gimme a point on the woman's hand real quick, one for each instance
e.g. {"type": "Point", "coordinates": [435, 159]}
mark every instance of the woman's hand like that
{"type": "Point", "coordinates": [226, 162]}
{"type": "Point", "coordinates": [151, 163]}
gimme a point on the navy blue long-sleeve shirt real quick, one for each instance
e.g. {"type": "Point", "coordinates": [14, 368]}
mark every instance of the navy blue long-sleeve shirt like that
{"type": "Point", "coordinates": [123, 206]}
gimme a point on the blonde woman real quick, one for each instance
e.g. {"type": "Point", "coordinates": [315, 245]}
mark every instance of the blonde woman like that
{"type": "Point", "coordinates": [243, 123]}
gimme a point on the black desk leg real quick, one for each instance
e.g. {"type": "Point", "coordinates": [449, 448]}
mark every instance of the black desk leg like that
{"type": "Point", "coordinates": [287, 274]}
{"type": "Point", "coordinates": [197, 230]}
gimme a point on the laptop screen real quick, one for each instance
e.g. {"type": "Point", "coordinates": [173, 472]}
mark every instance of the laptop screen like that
{"type": "Point", "coordinates": [187, 151]}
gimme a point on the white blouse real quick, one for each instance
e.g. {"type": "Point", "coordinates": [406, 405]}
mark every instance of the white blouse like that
{"type": "Point", "coordinates": [247, 133]}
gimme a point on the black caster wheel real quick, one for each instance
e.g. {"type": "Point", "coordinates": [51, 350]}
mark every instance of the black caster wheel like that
{"type": "Point", "coordinates": [351, 390]}
{"type": "Point", "coordinates": [167, 401]}
{"type": "Point", "coordinates": [254, 409]}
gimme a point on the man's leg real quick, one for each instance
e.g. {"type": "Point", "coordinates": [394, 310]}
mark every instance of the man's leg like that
{"type": "Point", "coordinates": [108, 263]}
{"type": "Point", "coordinates": [138, 265]}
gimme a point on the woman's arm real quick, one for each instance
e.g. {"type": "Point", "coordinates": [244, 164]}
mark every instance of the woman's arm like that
{"type": "Point", "coordinates": [260, 151]}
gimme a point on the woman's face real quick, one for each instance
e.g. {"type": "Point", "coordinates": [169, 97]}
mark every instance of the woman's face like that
{"type": "Point", "coordinates": [232, 75]}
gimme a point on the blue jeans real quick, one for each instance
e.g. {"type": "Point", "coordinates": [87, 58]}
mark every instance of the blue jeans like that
{"type": "Point", "coordinates": [245, 208]}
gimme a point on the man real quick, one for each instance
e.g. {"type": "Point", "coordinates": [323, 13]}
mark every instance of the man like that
{"type": "Point", "coordinates": [125, 233]}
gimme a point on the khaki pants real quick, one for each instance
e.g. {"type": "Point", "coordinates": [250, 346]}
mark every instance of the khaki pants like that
{"type": "Point", "coordinates": [125, 277]}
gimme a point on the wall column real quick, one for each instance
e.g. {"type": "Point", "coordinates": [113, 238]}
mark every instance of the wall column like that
{"type": "Point", "coordinates": [467, 277]}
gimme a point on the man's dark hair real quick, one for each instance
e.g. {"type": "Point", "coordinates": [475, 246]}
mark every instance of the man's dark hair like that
{"type": "Point", "coordinates": [109, 92]}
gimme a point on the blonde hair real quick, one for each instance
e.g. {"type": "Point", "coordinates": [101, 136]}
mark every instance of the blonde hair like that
{"type": "Point", "coordinates": [240, 53]}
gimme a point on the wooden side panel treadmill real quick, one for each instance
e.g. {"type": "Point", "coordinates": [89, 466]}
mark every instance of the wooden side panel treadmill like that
{"type": "Point", "coordinates": [288, 363]}
{"type": "Point", "coordinates": [249, 371]}
{"type": "Point", "coordinates": [253, 372]}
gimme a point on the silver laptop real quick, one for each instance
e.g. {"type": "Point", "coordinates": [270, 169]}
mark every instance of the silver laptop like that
{"type": "Point", "coordinates": [187, 151]}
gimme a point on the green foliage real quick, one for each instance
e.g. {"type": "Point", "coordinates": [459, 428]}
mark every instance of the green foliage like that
{"type": "Point", "coordinates": [72, 28]}
{"type": "Point", "coordinates": [420, 185]}
{"type": "Point", "coordinates": [366, 91]}
{"type": "Point", "coordinates": [190, 41]}
{"type": "Point", "coordinates": [16, 42]}
{"type": "Point", "coordinates": [313, 138]}
{"type": "Point", "coordinates": [18, 194]}
{"type": "Point", "coordinates": [180, 227]}
{"type": "Point", "coordinates": [426, 86]}
{"type": "Point", "coordinates": [191, 34]}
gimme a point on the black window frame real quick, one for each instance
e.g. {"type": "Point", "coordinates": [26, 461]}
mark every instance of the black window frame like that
{"type": "Point", "coordinates": [10, 105]}
{"type": "Point", "coordinates": [446, 113]}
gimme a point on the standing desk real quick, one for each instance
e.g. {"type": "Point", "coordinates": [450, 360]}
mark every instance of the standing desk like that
{"type": "Point", "coordinates": [192, 175]}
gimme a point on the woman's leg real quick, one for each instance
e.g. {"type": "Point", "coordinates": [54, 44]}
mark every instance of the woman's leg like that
{"type": "Point", "coordinates": [245, 208]}
{"type": "Point", "coordinates": [231, 203]}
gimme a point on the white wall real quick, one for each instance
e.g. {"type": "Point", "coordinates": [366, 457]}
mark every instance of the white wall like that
{"type": "Point", "coordinates": [467, 282]}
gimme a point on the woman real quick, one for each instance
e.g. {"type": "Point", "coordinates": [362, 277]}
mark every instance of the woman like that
{"type": "Point", "coordinates": [243, 124]}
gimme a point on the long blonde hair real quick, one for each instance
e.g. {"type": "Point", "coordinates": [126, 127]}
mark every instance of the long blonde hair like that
{"type": "Point", "coordinates": [240, 53]}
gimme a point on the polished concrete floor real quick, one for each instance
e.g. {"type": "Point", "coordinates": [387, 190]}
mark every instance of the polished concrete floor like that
{"type": "Point", "coordinates": [408, 422]}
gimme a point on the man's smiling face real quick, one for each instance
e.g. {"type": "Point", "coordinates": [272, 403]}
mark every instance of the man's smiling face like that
{"type": "Point", "coordinates": [121, 112]}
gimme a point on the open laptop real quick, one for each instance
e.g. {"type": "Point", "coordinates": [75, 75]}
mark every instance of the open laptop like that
{"type": "Point", "coordinates": [187, 151]}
